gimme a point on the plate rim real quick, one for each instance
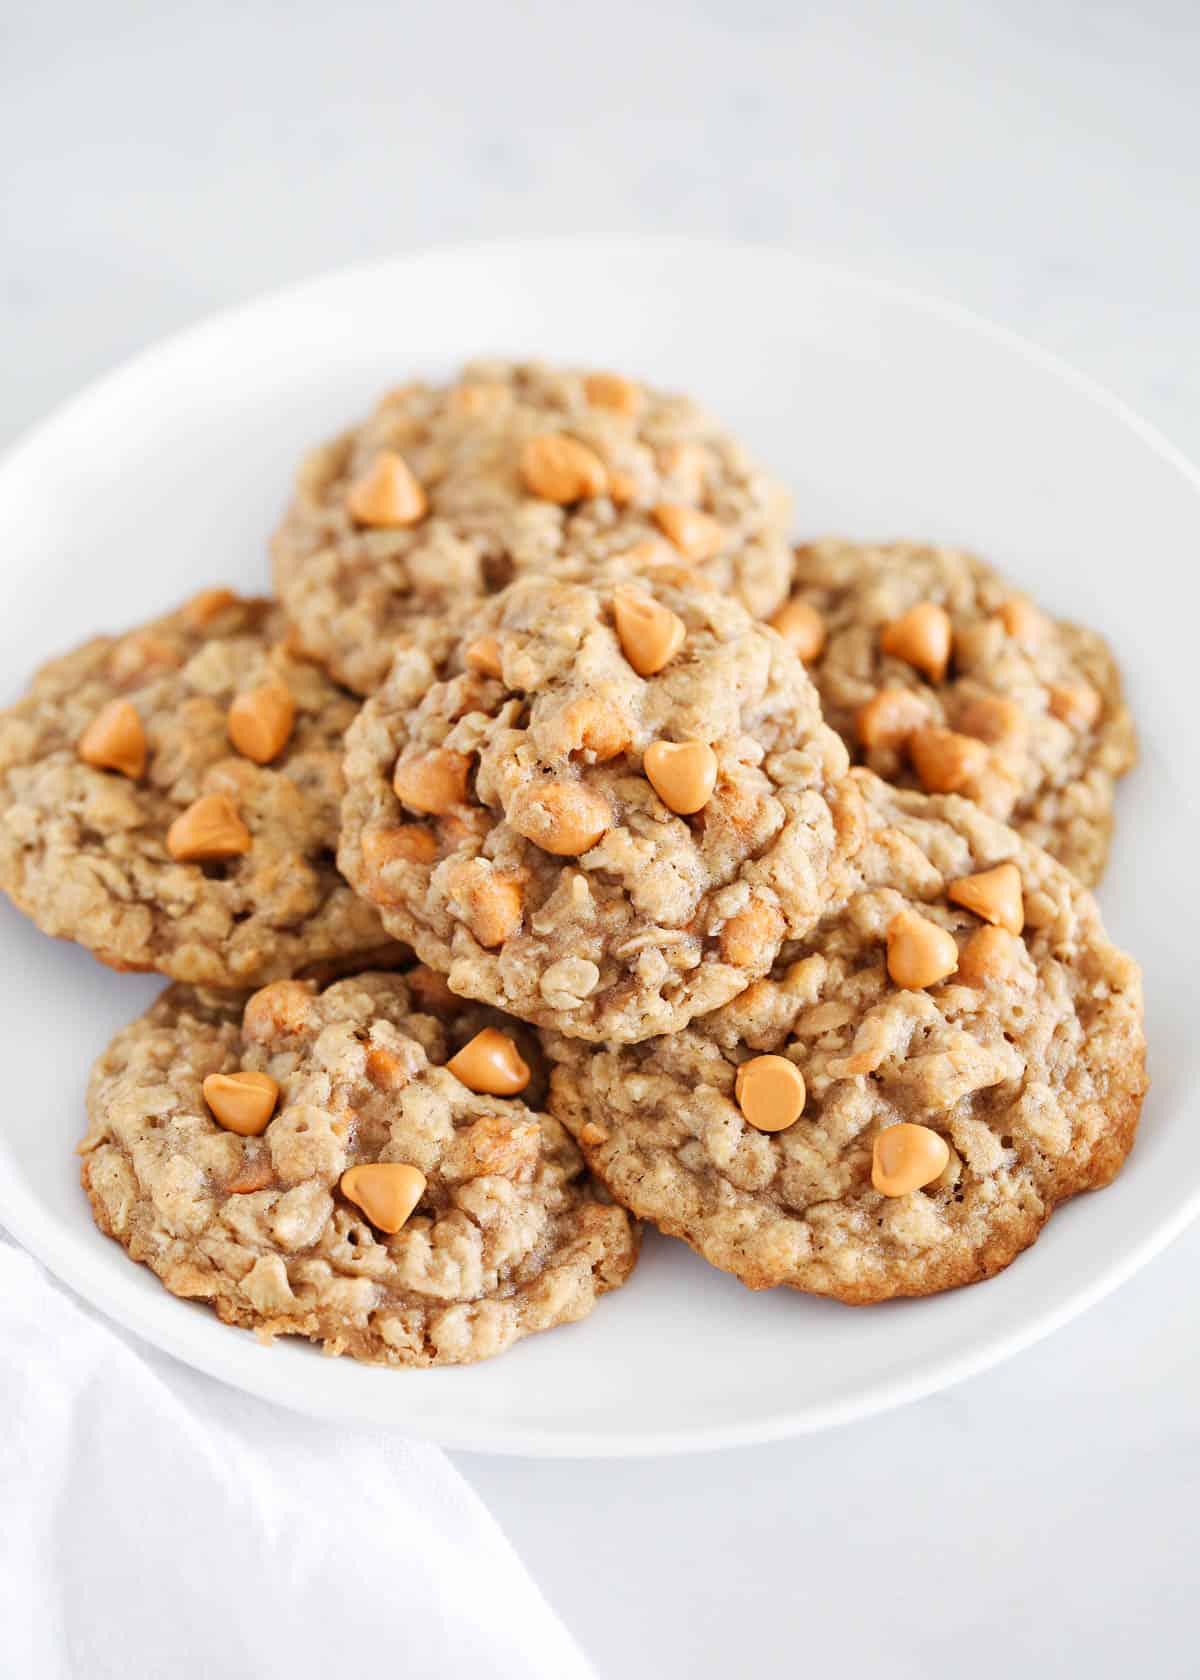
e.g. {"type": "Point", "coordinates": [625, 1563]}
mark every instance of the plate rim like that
{"type": "Point", "coordinates": [71, 1264]}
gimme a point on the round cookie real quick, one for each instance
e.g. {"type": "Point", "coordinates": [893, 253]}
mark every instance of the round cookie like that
{"type": "Point", "coordinates": [387, 1210]}
{"type": "Point", "coordinates": [101, 768]}
{"type": "Point", "coordinates": [941, 1122]}
{"type": "Point", "coordinates": [445, 493]}
{"type": "Point", "coordinates": [500, 811]}
{"type": "Point", "coordinates": [937, 674]}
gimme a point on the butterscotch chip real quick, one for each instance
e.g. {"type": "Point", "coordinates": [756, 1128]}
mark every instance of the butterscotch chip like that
{"type": "Point", "coordinates": [991, 718]}
{"type": "Point", "coordinates": [261, 721]}
{"type": "Point", "coordinates": [574, 894]}
{"type": "Point", "coordinates": [995, 894]}
{"type": "Point", "coordinates": [745, 936]}
{"type": "Point", "coordinates": [561, 469]}
{"type": "Point", "coordinates": [919, 952]}
{"type": "Point", "coordinates": [1076, 703]}
{"type": "Point", "coordinates": [484, 655]}
{"type": "Point", "coordinates": [610, 390]}
{"type": "Point", "coordinates": [565, 817]}
{"type": "Point", "coordinates": [770, 1092]}
{"type": "Point", "coordinates": [682, 773]}
{"type": "Point", "coordinates": [485, 397]}
{"type": "Point", "coordinates": [921, 637]}
{"type": "Point", "coordinates": [490, 903]}
{"type": "Point", "coordinates": [649, 633]}
{"type": "Point", "coordinates": [357, 592]}
{"type": "Point", "coordinates": [283, 1009]}
{"type": "Point", "coordinates": [801, 625]}
{"type": "Point", "coordinates": [241, 1102]}
{"type": "Point", "coordinates": [115, 740]}
{"type": "Point", "coordinates": [696, 535]}
{"type": "Point", "coordinates": [434, 782]}
{"type": "Point", "coordinates": [409, 842]}
{"type": "Point", "coordinates": [385, 1068]}
{"type": "Point", "coordinates": [386, 1191]}
{"type": "Point", "coordinates": [1006, 676]}
{"type": "Point", "coordinates": [391, 849]}
{"type": "Point", "coordinates": [388, 494]}
{"type": "Point", "coordinates": [1022, 620]}
{"type": "Point", "coordinates": [208, 605]}
{"type": "Point", "coordinates": [132, 823]}
{"type": "Point", "coordinates": [906, 1158]}
{"type": "Point", "coordinates": [939, 1128]}
{"type": "Point", "coordinates": [945, 761]}
{"type": "Point", "coordinates": [385, 1211]}
{"type": "Point", "coordinates": [491, 1063]}
{"type": "Point", "coordinates": [209, 829]}
{"type": "Point", "coordinates": [992, 954]}
{"type": "Point", "coordinates": [890, 719]}
{"type": "Point", "coordinates": [595, 728]}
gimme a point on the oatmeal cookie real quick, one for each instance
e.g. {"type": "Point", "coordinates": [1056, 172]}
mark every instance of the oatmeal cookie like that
{"type": "Point", "coordinates": [954, 1050]}
{"type": "Point", "coordinates": [605, 810]}
{"type": "Point", "coordinates": [331, 1164]}
{"type": "Point", "coordinates": [446, 493]}
{"type": "Point", "coordinates": [938, 675]}
{"type": "Point", "coordinates": [169, 798]}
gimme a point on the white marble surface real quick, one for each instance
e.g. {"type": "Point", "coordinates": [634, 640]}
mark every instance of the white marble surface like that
{"type": "Point", "coordinates": [1035, 161]}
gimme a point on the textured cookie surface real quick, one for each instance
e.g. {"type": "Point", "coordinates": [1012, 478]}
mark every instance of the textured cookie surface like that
{"type": "Point", "coordinates": [507, 1238]}
{"type": "Point", "coordinates": [1029, 1065]}
{"type": "Point", "coordinates": [1042, 699]}
{"type": "Point", "coordinates": [503, 822]}
{"type": "Point", "coordinates": [354, 591]}
{"type": "Point", "coordinates": [84, 850]}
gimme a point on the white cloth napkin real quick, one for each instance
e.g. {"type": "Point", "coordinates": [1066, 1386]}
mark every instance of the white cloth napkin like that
{"type": "Point", "coordinates": [155, 1525]}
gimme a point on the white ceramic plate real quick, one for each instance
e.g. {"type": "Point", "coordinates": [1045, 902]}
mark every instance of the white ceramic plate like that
{"type": "Point", "coordinates": [891, 416]}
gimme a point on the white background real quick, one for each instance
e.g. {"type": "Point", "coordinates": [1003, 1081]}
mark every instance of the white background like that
{"type": "Point", "coordinates": [1039, 162]}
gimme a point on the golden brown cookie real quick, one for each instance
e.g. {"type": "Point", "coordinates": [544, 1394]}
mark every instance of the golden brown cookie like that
{"type": "Point", "coordinates": [169, 798]}
{"type": "Point", "coordinates": [937, 674]}
{"type": "Point", "coordinates": [605, 810]}
{"type": "Point", "coordinates": [953, 1050]}
{"type": "Point", "coordinates": [347, 1166]}
{"type": "Point", "coordinates": [446, 493]}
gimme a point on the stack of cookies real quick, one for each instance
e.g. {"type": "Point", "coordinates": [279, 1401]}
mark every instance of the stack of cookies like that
{"type": "Point", "coordinates": [563, 849]}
